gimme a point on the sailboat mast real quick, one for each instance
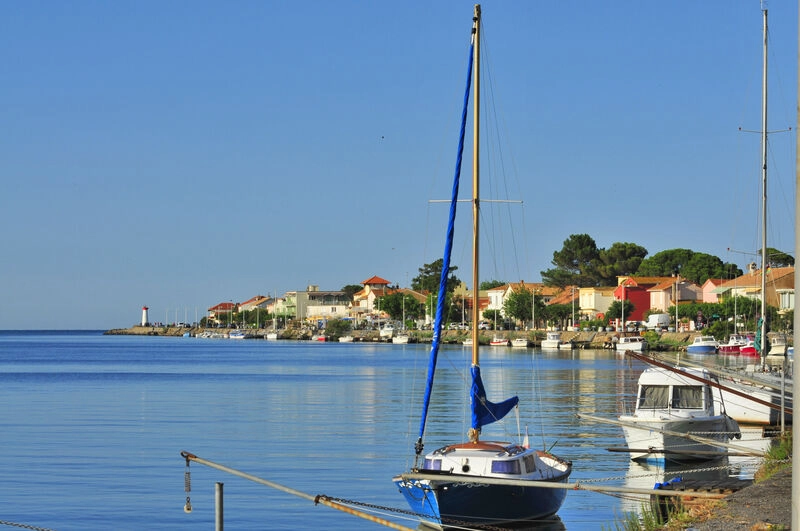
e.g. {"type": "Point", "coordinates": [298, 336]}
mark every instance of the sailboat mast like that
{"type": "Point", "coordinates": [764, 195]}
{"type": "Point", "coordinates": [476, 103]}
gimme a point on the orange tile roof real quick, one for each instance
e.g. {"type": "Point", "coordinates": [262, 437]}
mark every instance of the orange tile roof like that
{"type": "Point", "coordinates": [376, 280]}
{"type": "Point", "coordinates": [754, 279]}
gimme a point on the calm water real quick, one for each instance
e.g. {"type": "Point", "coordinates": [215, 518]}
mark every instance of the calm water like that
{"type": "Point", "coordinates": [93, 426]}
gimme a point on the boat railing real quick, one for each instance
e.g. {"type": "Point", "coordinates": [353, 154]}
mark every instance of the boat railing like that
{"type": "Point", "coordinates": [626, 405]}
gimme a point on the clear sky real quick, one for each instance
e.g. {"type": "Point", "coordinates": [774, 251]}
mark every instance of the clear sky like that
{"type": "Point", "coordinates": [182, 154]}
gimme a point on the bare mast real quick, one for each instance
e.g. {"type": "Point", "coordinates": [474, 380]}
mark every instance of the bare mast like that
{"type": "Point", "coordinates": [763, 341]}
{"type": "Point", "coordinates": [476, 102]}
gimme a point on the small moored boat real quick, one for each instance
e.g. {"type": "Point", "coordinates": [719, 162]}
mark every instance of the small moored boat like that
{"type": "Point", "coordinates": [703, 345]}
{"type": "Point", "coordinates": [401, 339]}
{"type": "Point", "coordinates": [634, 343]}
{"type": "Point", "coordinates": [735, 342]}
{"type": "Point", "coordinates": [673, 411]}
{"type": "Point", "coordinates": [520, 342]}
{"type": "Point", "coordinates": [552, 341]}
{"type": "Point", "coordinates": [749, 348]}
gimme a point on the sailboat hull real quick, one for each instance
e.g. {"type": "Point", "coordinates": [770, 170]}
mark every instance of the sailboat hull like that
{"type": "Point", "coordinates": [452, 502]}
{"type": "Point", "coordinates": [444, 498]}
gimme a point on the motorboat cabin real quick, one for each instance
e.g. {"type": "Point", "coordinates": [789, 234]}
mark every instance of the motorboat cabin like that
{"type": "Point", "coordinates": [672, 406]}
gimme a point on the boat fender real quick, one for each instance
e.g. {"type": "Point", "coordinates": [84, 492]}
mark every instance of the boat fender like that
{"type": "Point", "coordinates": [732, 427]}
{"type": "Point", "coordinates": [658, 486]}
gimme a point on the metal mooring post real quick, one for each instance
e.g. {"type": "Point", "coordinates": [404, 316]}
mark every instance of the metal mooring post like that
{"type": "Point", "coordinates": [219, 519]}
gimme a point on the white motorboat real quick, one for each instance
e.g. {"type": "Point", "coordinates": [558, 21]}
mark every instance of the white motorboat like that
{"type": "Point", "coordinates": [674, 418]}
{"type": "Point", "coordinates": [387, 332]}
{"type": "Point", "coordinates": [634, 343]}
{"type": "Point", "coordinates": [778, 352]}
{"type": "Point", "coordinates": [552, 341]}
{"type": "Point", "coordinates": [520, 342]}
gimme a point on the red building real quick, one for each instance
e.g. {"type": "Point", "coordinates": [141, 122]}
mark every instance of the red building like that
{"type": "Point", "coordinates": [636, 290]}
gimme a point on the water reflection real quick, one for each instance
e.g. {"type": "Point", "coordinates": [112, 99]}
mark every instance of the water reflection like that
{"type": "Point", "coordinates": [734, 471]}
{"type": "Point", "coordinates": [553, 523]}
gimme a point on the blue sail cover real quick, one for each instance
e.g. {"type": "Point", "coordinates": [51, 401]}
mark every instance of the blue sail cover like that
{"type": "Point", "coordinates": [483, 411]}
{"type": "Point", "coordinates": [448, 247]}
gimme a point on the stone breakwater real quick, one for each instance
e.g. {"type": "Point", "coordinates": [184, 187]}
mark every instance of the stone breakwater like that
{"type": "Point", "coordinates": [583, 339]}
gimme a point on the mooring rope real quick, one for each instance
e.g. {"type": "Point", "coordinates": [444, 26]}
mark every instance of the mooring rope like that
{"type": "Point", "coordinates": [24, 526]}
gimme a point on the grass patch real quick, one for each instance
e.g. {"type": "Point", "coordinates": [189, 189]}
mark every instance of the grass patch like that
{"type": "Point", "coordinates": [778, 457]}
{"type": "Point", "coordinates": [671, 515]}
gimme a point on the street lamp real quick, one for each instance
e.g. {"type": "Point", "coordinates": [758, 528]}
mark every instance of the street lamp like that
{"type": "Point", "coordinates": [573, 307]}
{"type": "Point", "coordinates": [677, 294]}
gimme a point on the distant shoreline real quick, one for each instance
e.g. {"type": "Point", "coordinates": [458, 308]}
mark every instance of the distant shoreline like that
{"type": "Point", "coordinates": [581, 340]}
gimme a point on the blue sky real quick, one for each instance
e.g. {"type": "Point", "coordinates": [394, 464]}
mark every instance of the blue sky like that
{"type": "Point", "coordinates": [181, 154]}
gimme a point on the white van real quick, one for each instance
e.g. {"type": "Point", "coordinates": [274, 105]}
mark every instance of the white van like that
{"type": "Point", "coordinates": [657, 321]}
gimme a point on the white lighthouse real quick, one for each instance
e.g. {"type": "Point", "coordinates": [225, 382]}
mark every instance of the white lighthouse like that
{"type": "Point", "coordinates": [145, 319]}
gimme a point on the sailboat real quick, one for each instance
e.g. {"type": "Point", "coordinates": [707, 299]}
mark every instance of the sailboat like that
{"type": "Point", "coordinates": [402, 338]}
{"type": "Point", "coordinates": [477, 481]}
{"type": "Point", "coordinates": [273, 334]}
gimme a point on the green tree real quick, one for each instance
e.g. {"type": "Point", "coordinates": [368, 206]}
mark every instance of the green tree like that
{"type": "Point", "coordinates": [664, 263]}
{"type": "Point", "coordinates": [616, 308]}
{"type": "Point", "coordinates": [702, 266]}
{"type": "Point", "coordinates": [338, 327]}
{"type": "Point", "coordinates": [573, 263]}
{"type": "Point", "coordinates": [430, 275]}
{"type": "Point", "coordinates": [619, 259]}
{"type": "Point", "coordinates": [393, 304]}
{"type": "Point", "coordinates": [489, 284]}
{"type": "Point", "coordinates": [697, 267]}
{"type": "Point", "coordinates": [558, 314]}
{"type": "Point", "coordinates": [778, 258]}
{"type": "Point", "coordinates": [518, 305]}
{"type": "Point", "coordinates": [352, 289]}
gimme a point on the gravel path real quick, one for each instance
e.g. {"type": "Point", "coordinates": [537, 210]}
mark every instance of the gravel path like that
{"type": "Point", "coordinates": [762, 506]}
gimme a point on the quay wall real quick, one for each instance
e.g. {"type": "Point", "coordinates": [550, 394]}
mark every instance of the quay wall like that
{"type": "Point", "coordinates": [582, 339]}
